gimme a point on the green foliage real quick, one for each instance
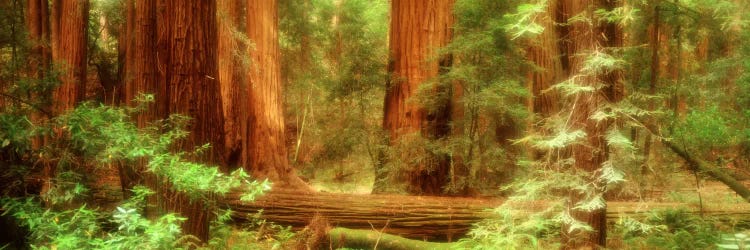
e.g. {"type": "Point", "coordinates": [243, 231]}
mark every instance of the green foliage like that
{"type": "Point", "coordinates": [82, 228]}
{"type": "Point", "coordinates": [670, 229]}
{"type": "Point", "coordinates": [483, 88]}
{"type": "Point", "coordinates": [334, 56]}
{"type": "Point", "coordinates": [101, 136]}
{"type": "Point", "coordinates": [105, 134]}
{"type": "Point", "coordinates": [707, 128]}
{"type": "Point", "coordinates": [522, 22]}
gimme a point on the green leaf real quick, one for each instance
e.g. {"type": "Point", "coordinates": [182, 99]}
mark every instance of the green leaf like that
{"type": "Point", "coordinates": [616, 139]}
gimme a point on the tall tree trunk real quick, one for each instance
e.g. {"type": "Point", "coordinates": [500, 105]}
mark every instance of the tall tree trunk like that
{"type": "Point", "coordinates": [233, 96]}
{"type": "Point", "coordinates": [655, 42]}
{"type": "Point", "coordinates": [68, 40]}
{"type": "Point", "coordinates": [69, 43]}
{"type": "Point", "coordinates": [589, 156]}
{"type": "Point", "coordinates": [187, 68]}
{"type": "Point", "coordinates": [543, 52]}
{"type": "Point", "coordinates": [417, 29]}
{"type": "Point", "coordinates": [37, 26]}
{"type": "Point", "coordinates": [139, 75]}
{"type": "Point", "coordinates": [266, 140]}
{"type": "Point", "coordinates": [140, 71]}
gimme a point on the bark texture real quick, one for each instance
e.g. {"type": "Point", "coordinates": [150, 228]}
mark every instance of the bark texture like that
{"type": "Point", "coordinates": [68, 42]}
{"type": "Point", "coordinates": [231, 80]}
{"type": "Point", "coordinates": [417, 30]}
{"type": "Point", "coordinates": [140, 66]}
{"type": "Point", "coordinates": [544, 52]}
{"type": "Point", "coordinates": [140, 75]}
{"type": "Point", "coordinates": [37, 26]}
{"type": "Point", "coordinates": [187, 68]}
{"type": "Point", "coordinates": [69, 30]}
{"type": "Point", "coordinates": [266, 140]}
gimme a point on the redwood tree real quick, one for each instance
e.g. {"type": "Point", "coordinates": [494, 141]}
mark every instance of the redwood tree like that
{"type": "Point", "coordinates": [139, 75]}
{"type": "Point", "coordinates": [69, 30]}
{"type": "Point", "coordinates": [139, 72]}
{"type": "Point", "coordinates": [37, 26]}
{"type": "Point", "coordinates": [68, 40]}
{"type": "Point", "coordinates": [417, 30]}
{"type": "Point", "coordinates": [543, 51]}
{"type": "Point", "coordinates": [231, 78]}
{"type": "Point", "coordinates": [266, 141]}
{"type": "Point", "coordinates": [187, 69]}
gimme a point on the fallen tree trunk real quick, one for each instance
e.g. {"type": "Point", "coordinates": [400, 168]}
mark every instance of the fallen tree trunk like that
{"type": "Point", "coordinates": [701, 166]}
{"type": "Point", "coordinates": [369, 239]}
{"type": "Point", "coordinates": [420, 217]}
{"type": "Point", "coordinates": [698, 165]}
{"type": "Point", "coordinates": [417, 217]}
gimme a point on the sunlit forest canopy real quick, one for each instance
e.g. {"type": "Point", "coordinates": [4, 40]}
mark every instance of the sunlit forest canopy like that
{"type": "Point", "coordinates": [374, 124]}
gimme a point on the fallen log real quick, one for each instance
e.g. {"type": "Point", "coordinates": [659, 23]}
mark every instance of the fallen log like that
{"type": "Point", "coordinates": [698, 165]}
{"type": "Point", "coordinates": [417, 217]}
{"type": "Point", "coordinates": [420, 217]}
{"type": "Point", "coordinates": [369, 239]}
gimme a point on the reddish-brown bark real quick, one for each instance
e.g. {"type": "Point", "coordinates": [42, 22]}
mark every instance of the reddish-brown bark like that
{"type": "Point", "coordinates": [140, 74]}
{"type": "Point", "coordinates": [37, 26]}
{"type": "Point", "coordinates": [266, 141]}
{"type": "Point", "coordinates": [233, 95]}
{"type": "Point", "coordinates": [543, 51]}
{"type": "Point", "coordinates": [187, 69]}
{"type": "Point", "coordinates": [417, 30]}
{"type": "Point", "coordinates": [68, 43]}
{"type": "Point", "coordinates": [69, 30]}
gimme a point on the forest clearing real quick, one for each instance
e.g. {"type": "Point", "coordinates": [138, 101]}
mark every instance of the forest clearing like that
{"type": "Point", "coordinates": [375, 124]}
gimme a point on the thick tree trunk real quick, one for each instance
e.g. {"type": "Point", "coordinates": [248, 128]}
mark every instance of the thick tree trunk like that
{"type": "Point", "coordinates": [187, 68]}
{"type": "Point", "coordinates": [68, 40]}
{"type": "Point", "coordinates": [266, 140]}
{"type": "Point", "coordinates": [69, 33]}
{"type": "Point", "coordinates": [139, 75]}
{"type": "Point", "coordinates": [233, 95]}
{"type": "Point", "coordinates": [417, 30]}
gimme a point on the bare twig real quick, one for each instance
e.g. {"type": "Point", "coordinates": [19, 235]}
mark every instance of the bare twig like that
{"type": "Point", "coordinates": [380, 233]}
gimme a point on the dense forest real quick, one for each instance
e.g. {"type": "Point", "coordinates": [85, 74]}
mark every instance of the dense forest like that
{"type": "Point", "coordinates": [375, 124]}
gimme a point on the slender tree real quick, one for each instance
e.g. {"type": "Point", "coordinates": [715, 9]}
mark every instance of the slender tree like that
{"type": "Point", "coordinates": [37, 26]}
{"type": "Point", "coordinates": [587, 39]}
{"type": "Point", "coordinates": [417, 30]}
{"type": "Point", "coordinates": [544, 52]}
